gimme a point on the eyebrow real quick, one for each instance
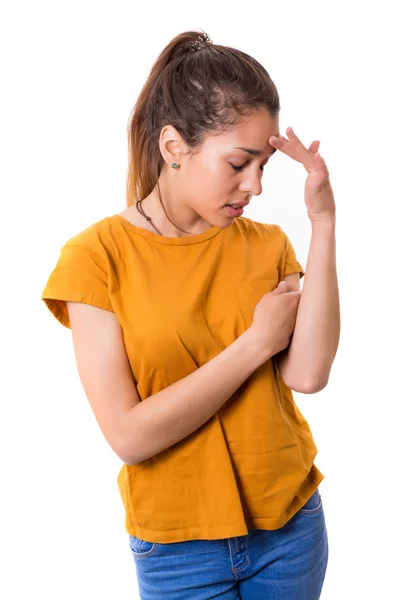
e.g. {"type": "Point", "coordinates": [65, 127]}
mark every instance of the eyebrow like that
{"type": "Point", "coordinates": [252, 151]}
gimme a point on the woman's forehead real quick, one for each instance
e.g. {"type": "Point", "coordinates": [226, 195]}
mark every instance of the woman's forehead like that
{"type": "Point", "coordinates": [251, 136]}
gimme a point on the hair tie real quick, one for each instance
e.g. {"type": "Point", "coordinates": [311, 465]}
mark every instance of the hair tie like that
{"type": "Point", "coordinates": [202, 41]}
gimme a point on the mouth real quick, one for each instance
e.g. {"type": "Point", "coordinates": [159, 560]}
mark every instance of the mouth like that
{"type": "Point", "coordinates": [235, 210]}
{"type": "Point", "coordinates": [238, 204]}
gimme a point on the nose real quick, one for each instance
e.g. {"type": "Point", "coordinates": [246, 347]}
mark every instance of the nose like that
{"type": "Point", "coordinates": [252, 184]}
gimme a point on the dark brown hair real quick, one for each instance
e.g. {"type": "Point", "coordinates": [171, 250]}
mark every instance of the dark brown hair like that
{"type": "Point", "coordinates": [197, 87]}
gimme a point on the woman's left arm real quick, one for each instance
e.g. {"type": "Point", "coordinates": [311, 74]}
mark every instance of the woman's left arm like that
{"type": "Point", "coordinates": [306, 364]}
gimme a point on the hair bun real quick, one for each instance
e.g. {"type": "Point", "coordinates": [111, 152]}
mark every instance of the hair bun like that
{"type": "Point", "coordinates": [202, 41]}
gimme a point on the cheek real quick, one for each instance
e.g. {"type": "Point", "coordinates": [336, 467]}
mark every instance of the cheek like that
{"type": "Point", "coordinates": [213, 167]}
{"type": "Point", "coordinates": [210, 182]}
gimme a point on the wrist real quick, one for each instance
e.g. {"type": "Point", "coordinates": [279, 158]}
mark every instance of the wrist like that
{"type": "Point", "coordinates": [327, 221]}
{"type": "Point", "coordinates": [256, 346]}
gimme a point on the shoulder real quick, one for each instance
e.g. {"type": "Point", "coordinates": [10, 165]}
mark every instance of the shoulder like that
{"type": "Point", "coordinates": [268, 239]}
{"type": "Point", "coordinates": [256, 228]}
{"type": "Point", "coordinates": [101, 240]}
{"type": "Point", "coordinates": [80, 274]}
{"type": "Point", "coordinates": [91, 237]}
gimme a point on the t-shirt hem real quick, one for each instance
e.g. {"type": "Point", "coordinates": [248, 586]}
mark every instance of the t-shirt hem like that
{"type": "Point", "coordinates": [56, 302]}
{"type": "Point", "coordinates": [294, 267]}
{"type": "Point", "coordinates": [231, 530]}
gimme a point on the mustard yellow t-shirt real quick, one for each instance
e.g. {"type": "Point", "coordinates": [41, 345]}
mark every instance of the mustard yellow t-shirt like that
{"type": "Point", "coordinates": [180, 302]}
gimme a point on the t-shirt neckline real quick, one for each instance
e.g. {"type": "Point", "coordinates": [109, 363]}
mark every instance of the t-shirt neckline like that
{"type": "Point", "coordinates": [162, 239]}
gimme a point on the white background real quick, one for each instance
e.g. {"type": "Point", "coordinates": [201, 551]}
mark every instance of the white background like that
{"type": "Point", "coordinates": [71, 72]}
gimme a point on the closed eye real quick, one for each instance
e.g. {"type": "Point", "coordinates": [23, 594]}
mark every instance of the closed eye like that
{"type": "Point", "coordinates": [237, 169]}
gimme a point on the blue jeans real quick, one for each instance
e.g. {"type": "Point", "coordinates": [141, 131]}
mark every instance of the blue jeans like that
{"type": "Point", "coordinates": [283, 564]}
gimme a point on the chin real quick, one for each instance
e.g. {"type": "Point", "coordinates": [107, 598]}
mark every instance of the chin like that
{"type": "Point", "coordinates": [220, 220]}
{"type": "Point", "coordinates": [221, 223]}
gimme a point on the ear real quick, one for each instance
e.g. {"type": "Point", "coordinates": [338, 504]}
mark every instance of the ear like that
{"type": "Point", "coordinates": [171, 144]}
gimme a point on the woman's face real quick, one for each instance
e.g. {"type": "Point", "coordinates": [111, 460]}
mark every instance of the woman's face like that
{"type": "Point", "coordinates": [221, 173]}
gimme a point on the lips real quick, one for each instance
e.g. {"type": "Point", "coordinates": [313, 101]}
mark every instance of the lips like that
{"type": "Point", "coordinates": [234, 212]}
{"type": "Point", "coordinates": [239, 204]}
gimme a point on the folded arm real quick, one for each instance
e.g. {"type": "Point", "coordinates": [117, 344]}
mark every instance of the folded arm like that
{"type": "Point", "coordinates": [306, 364]}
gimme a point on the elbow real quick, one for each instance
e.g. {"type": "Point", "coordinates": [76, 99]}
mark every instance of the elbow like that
{"type": "Point", "coordinates": [126, 453]}
{"type": "Point", "coordinates": [306, 386]}
{"type": "Point", "coordinates": [130, 458]}
{"type": "Point", "coordinates": [312, 386]}
{"type": "Point", "coordinates": [131, 448]}
{"type": "Point", "coordinates": [126, 458]}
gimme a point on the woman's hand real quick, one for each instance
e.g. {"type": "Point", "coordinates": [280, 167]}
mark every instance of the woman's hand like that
{"type": "Point", "coordinates": [318, 191]}
{"type": "Point", "coordinates": [274, 319]}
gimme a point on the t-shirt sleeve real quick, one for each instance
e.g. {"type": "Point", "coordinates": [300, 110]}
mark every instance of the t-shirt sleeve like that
{"type": "Point", "coordinates": [290, 262]}
{"type": "Point", "coordinates": [80, 275]}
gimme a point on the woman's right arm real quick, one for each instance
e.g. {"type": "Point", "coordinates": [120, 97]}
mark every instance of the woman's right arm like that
{"type": "Point", "coordinates": [138, 430]}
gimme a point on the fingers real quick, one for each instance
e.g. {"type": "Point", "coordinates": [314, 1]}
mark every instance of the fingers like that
{"type": "Point", "coordinates": [314, 146]}
{"type": "Point", "coordinates": [282, 287]}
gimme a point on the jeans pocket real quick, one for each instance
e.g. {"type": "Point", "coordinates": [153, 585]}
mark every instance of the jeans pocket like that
{"type": "Point", "coordinates": [313, 504]}
{"type": "Point", "coordinates": [141, 548]}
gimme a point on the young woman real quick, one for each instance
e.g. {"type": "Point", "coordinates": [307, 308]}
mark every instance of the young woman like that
{"type": "Point", "coordinates": [190, 332]}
